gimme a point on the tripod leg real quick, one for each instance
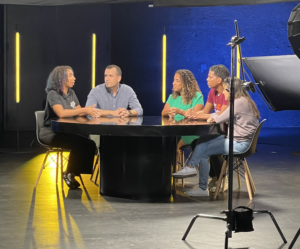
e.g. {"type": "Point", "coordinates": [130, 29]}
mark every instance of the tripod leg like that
{"type": "Point", "coordinates": [274, 221]}
{"type": "Point", "coordinates": [226, 237]}
{"type": "Point", "coordinates": [200, 216]}
{"type": "Point", "coordinates": [189, 227]}
{"type": "Point", "coordinates": [294, 239]}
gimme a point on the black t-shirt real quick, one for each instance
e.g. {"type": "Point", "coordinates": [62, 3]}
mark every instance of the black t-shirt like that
{"type": "Point", "coordinates": [69, 101]}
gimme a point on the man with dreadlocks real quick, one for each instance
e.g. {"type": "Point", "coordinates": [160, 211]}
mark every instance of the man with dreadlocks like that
{"type": "Point", "coordinates": [62, 102]}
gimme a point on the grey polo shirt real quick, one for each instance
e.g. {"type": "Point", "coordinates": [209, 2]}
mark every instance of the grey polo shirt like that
{"type": "Point", "coordinates": [68, 101]}
{"type": "Point", "coordinates": [104, 99]}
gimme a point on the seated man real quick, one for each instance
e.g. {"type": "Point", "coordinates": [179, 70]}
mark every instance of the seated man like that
{"type": "Point", "coordinates": [215, 101]}
{"type": "Point", "coordinates": [113, 98]}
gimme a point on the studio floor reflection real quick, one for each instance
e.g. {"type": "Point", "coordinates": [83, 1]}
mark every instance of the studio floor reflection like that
{"type": "Point", "coordinates": [50, 217]}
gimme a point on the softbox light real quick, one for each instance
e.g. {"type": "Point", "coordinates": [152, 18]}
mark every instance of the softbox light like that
{"type": "Point", "coordinates": [294, 30]}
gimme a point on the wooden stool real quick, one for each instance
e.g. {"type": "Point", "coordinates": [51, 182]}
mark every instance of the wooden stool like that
{"type": "Point", "coordinates": [241, 167]}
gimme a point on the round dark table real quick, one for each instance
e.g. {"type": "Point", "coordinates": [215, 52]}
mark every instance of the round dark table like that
{"type": "Point", "coordinates": [137, 155]}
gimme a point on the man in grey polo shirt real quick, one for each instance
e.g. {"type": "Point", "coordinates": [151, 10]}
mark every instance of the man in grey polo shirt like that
{"type": "Point", "coordinates": [113, 98]}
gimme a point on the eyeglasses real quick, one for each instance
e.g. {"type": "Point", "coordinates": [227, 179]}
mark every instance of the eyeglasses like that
{"type": "Point", "coordinates": [228, 90]}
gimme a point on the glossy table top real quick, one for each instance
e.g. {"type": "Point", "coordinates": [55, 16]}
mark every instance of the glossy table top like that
{"type": "Point", "coordinates": [134, 126]}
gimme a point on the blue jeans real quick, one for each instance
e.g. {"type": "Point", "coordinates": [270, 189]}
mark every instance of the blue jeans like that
{"type": "Point", "coordinates": [216, 146]}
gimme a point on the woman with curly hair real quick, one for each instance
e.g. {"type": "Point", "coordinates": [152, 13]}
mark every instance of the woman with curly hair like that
{"type": "Point", "coordinates": [62, 102]}
{"type": "Point", "coordinates": [186, 95]}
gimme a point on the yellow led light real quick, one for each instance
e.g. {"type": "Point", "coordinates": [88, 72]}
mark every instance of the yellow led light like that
{"type": "Point", "coordinates": [94, 61]}
{"type": "Point", "coordinates": [238, 62]}
{"type": "Point", "coordinates": [17, 67]}
{"type": "Point", "coordinates": [164, 68]}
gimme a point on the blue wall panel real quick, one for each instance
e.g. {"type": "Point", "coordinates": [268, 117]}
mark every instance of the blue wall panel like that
{"type": "Point", "coordinates": [197, 39]}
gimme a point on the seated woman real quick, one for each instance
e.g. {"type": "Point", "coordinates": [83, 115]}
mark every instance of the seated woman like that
{"type": "Point", "coordinates": [186, 95]}
{"type": "Point", "coordinates": [62, 102]}
{"type": "Point", "coordinates": [246, 117]}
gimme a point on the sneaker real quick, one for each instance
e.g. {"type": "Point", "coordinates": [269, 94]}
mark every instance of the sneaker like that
{"type": "Point", "coordinates": [212, 182]}
{"type": "Point", "coordinates": [197, 192]}
{"type": "Point", "coordinates": [213, 189]}
{"type": "Point", "coordinates": [185, 172]}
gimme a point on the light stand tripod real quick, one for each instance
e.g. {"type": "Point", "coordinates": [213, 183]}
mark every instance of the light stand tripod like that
{"type": "Point", "coordinates": [236, 40]}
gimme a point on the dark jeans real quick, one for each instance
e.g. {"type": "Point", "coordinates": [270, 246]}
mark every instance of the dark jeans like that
{"type": "Point", "coordinates": [82, 153]}
{"type": "Point", "coordinates": [216, 161]}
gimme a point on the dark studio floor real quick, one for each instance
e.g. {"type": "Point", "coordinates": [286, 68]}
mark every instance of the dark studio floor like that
{"type": "Point", "coordinates": [52, 218]}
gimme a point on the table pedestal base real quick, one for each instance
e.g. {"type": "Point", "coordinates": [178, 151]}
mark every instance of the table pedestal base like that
{"type": "Point", "coordinates": [136, 167]}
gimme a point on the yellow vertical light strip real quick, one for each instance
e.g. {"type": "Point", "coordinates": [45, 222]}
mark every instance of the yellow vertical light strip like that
{"type": "Point", "coordinates": [164, 68]}
{"type": "Point", "coordinates": [94, 61]}
{"type": "Point", "coordinates": [238, 62]}
{"type": "Point", "coordinates": [17, 67]}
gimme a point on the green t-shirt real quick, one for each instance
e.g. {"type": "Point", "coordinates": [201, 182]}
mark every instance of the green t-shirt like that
{"type": "Point", "coordinates": [198, 100]}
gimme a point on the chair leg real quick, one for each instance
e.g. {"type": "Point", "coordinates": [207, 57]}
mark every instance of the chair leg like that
{"type": "Point", "coordinates": [57, 165]}
{"type": "Point", "coordinates": [41, 170]}
{"type": "Point", "coordinates": [81, 180]}
{"type": "Point", "coordinates": [221, 178]}
{"type": "Point", "coordinates": [61, 169]}
{"type": "Point", "coordinates": [250, 177]}
{"type": "Point", "coordinates": [95, 169]}
{"type": "Point", "coordinates": [97, 174]}
{"type": "Point", "coordinates": [238, 172]}
{"type": "Point", "coordinates": [247, 181]}
{"type": "Point", "coordinates": [95, 166]}
{"type": "Point", "coordinates": [182, 163]}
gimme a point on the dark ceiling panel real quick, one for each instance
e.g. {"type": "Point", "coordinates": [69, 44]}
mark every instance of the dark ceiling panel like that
{"type": "Point", "coordinates": [158, 3]}
{"type": "Point", "coordinates": [199, 3]}
{"type": "Point", "coordinates": [66, 2]}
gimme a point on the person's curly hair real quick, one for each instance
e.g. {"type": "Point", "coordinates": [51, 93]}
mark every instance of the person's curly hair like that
{"type": "Point", "coordinates": [57, 78]}
{"type": "Point", "coordinates": [189, 88]}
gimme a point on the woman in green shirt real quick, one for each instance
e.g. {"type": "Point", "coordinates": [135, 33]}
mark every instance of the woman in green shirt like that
{"type": "Point", "coordinates": [186, 95]}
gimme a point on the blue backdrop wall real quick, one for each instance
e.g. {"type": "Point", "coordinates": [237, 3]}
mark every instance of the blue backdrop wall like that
{"type": "Point", "coordinates": [196, 40]}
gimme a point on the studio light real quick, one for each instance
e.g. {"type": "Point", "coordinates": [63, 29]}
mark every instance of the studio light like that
{"type": "Point", "coordinates": [294, 30]}
{"type": "Point", "coordinates": [164, 67]}
{"type": "Point", "coordinates": [238, 62]}
{"type": "Point", "coordinates": [94, 40]}
{"type": "Point", "coordinates": [17, 67]}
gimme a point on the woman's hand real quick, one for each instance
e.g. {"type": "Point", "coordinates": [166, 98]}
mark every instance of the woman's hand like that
{"type": "Point", "coordinates": [92, 111]}
{"type": "Point", "coordinates": [191, 114]}
{"type": "Point", "coordinates": [173, 111]}
{"type": "Point", "coordinates": [210, 120]}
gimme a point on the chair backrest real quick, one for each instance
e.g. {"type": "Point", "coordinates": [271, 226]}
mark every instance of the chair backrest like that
{"type": "Point", "coordinates": [252, 147]}
{"type": "Point", "coordinates": [39, 119]}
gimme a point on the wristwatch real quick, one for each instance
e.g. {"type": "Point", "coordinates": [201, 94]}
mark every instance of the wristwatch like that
{"type": "Point", "coordinates": [130, 113]}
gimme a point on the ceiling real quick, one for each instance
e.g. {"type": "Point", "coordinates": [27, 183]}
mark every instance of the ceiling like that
{"type": "Point", "coordinates": [158, 3]}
